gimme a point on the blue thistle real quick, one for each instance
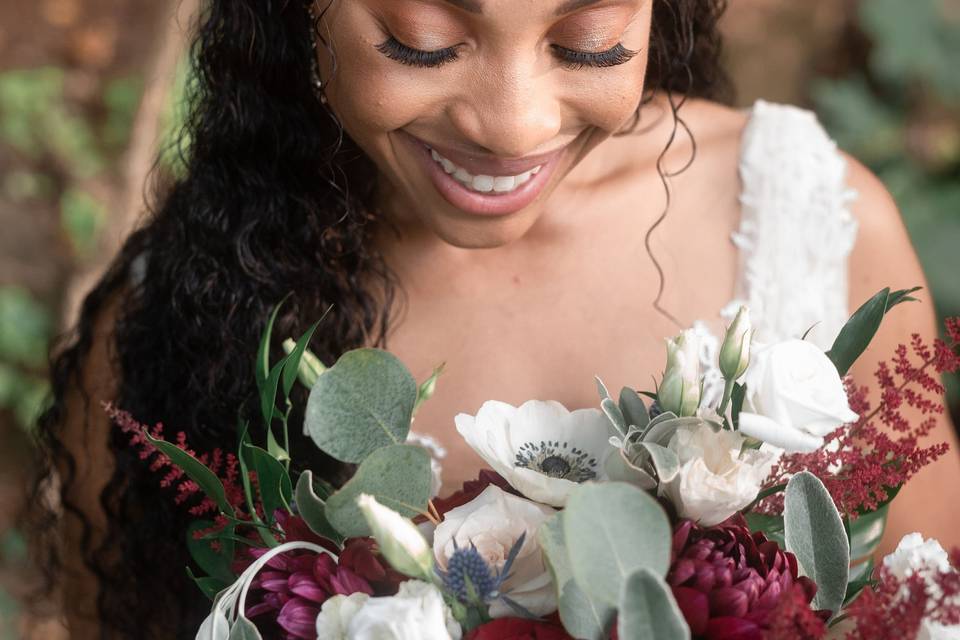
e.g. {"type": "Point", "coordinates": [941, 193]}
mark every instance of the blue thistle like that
{"type": "Point", "coordinates": [470, 579]}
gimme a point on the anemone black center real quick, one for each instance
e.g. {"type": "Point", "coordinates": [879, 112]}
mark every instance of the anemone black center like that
{"type": "Point", "coordinates": [555, 466]}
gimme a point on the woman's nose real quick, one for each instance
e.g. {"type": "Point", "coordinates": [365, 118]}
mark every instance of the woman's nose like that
{"type": "Point", "coordinates": [509, 114]}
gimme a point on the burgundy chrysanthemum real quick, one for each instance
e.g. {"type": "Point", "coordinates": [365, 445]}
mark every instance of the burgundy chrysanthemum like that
{"type": "Point", "coordinates": [362, 557]}
{"type": "Point", "coordinates": [728, 581]}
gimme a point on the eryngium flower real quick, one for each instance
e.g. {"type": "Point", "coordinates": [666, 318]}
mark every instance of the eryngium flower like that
{"type": "Point", "coordinates": [728, 581]}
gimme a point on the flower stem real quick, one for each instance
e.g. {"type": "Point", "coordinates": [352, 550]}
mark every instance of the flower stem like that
{"type": "Point", "coordinates": [727, 392]}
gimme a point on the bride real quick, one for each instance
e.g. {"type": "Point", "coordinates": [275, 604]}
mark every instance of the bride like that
{"type": "Point", "coordinates": [533, 192]}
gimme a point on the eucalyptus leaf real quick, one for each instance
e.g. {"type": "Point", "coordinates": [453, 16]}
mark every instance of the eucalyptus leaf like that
{"type": "Point", "coordinates": [814, 532]}
{"type": "Point", "coordinates": [582, 617]}
{"type": "Point", "coordinates": [633, 408]}
{"type": "Point", "coordinates": [648, 610]}
{"type": "Point", "coordinates": [398, 476]}
{"type": "Point", "coordinates": [856, 334]}
{"type": "Point", "coordinates": [611, 530]}
{"type": "Point", "coordinates": [312, 509]}
{"type": "Point", "coordinates": [243, 629]}
{"type": "Point", "coordinates": [207, 480]}
{"type": "Point", "coordinates": [215, 564]}
{"type": "Point", "coordinates": [362, 403]}
{"type": "Point", "coordinates": [273, 480]}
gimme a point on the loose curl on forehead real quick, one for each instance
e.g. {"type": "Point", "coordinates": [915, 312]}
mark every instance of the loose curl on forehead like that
{"type": "Point", "coordinates": [273, 199]}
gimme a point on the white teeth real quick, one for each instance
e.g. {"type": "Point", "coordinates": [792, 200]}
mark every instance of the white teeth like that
{"type": "Point", "coordinates": [483, 183]}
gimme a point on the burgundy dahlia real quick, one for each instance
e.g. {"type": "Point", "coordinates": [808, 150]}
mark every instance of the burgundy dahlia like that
{"type": "Point", "coordinates": [362, 557]}
{"type": "Point", "coordinates": [729, 581]}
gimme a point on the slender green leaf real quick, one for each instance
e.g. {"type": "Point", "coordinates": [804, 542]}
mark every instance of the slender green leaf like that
{"type": "Point", "coordinates": [398, 476]}
{"type": "Point", "coordinates": [648, 610]}
{"type": "Point", "coordinates": [814, 532]}
{"type": "Point", "coordinates": [268, 393]}
{"type": "Point", "coordinates": [856, 334]}
{"type": "Point", "coordinates": [866, 532]}
{"type": "Point", "coordinates": [292, 368]}
{"type": "Point", "coordinates": [273, 481]}
{"type": "Point", "coordinates": [210, 587]}
{"type": "Point", "coordinates": [263, 351]}
{"type": "Point", "coordinates": [861, 575]}
{"type": "Point", "coordinates": [611, 530]}
{"type": "Point", "coordinates": [313, 509]}
{"type": "Point", "coordinates": [216, 564]}
{"type": "Point", "coordinates": [362, 403]}
{"type": "Point", "coordinates": [207, 480]}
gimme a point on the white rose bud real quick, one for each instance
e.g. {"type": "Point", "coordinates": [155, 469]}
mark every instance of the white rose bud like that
{"type": "Point", "coordinates": [310, 366]}
{"type": "Point", "coordinates": [401, 543]}
{"type": "Point", "coordinates": [735, 351]}
{"type": "Point", "coordinates": [679, 392]}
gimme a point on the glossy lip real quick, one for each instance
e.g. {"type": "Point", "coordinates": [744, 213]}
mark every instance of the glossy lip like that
{"type": "Point", "coordinates": [484, 204]}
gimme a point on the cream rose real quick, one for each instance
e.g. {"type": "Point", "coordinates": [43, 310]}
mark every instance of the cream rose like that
{"type": "Point", "coordinates": [714, 479]}
{"type": "Point", "coordinates": [417, 612]}
{"type": "Point", "coordinates": [795, 396]}
{"type": "Point", "coordinates": [492, 522]}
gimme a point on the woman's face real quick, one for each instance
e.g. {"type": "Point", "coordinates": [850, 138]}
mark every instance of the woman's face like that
{"type": "Point", "coordinates": [475, 110]}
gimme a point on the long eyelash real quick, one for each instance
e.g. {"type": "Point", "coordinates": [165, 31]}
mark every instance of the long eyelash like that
{"type": "Point", "coordinates": [579, 59]}
{"type": "Point", "coordinates": [396, 50]}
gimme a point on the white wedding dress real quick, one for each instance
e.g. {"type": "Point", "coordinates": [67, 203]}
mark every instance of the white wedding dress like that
{"type": "Point", "coordinates": [795, 235]}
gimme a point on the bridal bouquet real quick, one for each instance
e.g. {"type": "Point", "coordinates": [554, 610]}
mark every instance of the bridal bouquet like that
{"type": "Point", "coordinates": [654, 515]}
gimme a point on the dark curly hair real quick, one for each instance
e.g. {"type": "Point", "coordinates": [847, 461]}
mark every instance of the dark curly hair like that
{"type": "Point", "coordinates": [273, 200]}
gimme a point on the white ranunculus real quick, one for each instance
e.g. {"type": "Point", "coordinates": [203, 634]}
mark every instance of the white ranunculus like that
{"type": "Point", "coordinates": [794, 398]}
{"type": "Point", "coordinates": [417, 612]}
{"type": "Point", "coordinates": [914, 555]}
{"type": "Point", "coordinates": [492, 522]}
{"type": "Point", "coordinates": [715, 479]}
{"type": "Point", "coordinates": [542, 449]}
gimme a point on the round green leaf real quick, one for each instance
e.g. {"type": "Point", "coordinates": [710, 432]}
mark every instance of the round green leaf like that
{"type": "Point", "coordinates": [398, 476]}
{"type": "Point", "coordinates": [648, 610]}
{"type": "Point", "coordinates": [814, 532]}
{"type": "Point", "coordinates": [362, 403]}
{"type": "Point", "coordinates": [611, 530]}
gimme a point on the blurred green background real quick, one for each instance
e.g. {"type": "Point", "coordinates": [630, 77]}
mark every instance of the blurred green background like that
{"type": "Point", "coordinates": [89, 90]}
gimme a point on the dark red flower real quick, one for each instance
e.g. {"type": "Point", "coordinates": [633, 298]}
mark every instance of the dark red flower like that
{"type": "Point", "coordinates": [470, 490]}
{"type": "Point", "coordinates": [728, 581]}
{"type": "Point", "coordinates": [362, 557]}
{"type": "Point", "coordinates": [520, 629]}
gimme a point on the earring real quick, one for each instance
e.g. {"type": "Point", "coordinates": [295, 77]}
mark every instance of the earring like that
{"type": "Point", "coordinates": [316, 81]}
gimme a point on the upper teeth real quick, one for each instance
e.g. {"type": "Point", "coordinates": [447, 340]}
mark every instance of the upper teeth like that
{"type": "Point", "coordinates": [482, 183]}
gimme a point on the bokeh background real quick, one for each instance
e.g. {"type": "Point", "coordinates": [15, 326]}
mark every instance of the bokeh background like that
{"type": "Point", "coordinates": [90, 92]}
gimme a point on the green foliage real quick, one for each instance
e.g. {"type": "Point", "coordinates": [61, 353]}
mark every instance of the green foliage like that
{"type": "Point", "coordinates": [398, 476]}
{"type": "Point", "coordinates": [362, 403]}
{"type": "Point", "coordinates": [814, 532]}
{"type": "Point", "coordinates": [648, 610]}
{"type": "Point", "coordinates": [25, 328]}
{"type": "Point", "coordinates": [856, 334]}
{"type": "Point", "coordinates": [81, 217]}
{"type": "Point", "coordinates": [611, 530]}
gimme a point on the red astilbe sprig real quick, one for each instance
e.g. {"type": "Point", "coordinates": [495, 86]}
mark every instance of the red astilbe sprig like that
{"type": "Point", "coordinates": [897, 607]}
{"type": "Point", "coordinates": [862, 463]}
{"type": "Point", "coordinates": [187, 492]}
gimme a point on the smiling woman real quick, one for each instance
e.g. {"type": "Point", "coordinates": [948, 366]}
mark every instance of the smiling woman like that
{"type": "Point", "coordinates": [499, 166]}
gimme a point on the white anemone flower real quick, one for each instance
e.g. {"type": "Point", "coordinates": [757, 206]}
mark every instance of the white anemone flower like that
{"type": "Point", "coordinates": [541, 448]}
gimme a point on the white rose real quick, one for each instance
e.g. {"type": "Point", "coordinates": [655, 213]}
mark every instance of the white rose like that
{"type": "Point", "coordinates": [795, 397]}
{"type": "Point", "coordinates": [417, 612]}
{"type": "Point", "coordinates": [914, 555]}
{"type": "Point", "coordinates": [492, 522]}
{"type": "Point", "coordinates": [714, 479]}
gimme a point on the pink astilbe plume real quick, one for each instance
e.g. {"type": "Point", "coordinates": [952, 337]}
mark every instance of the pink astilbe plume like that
{"type": "Point", "coordinates": [862, 463]}
{"type": "Point", "coordinates": [187, 492]}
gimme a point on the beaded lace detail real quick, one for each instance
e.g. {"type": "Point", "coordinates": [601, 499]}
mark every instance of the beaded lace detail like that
{"type": "Point", "coordinates": [796, 233]}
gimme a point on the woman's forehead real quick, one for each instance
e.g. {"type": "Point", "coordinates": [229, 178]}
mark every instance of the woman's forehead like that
{"type": "Point", "coordinates": [514, 9]}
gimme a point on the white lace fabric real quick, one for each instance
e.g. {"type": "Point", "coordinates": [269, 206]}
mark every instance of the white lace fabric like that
{"type": "Point", "coordinates": [795, 236]}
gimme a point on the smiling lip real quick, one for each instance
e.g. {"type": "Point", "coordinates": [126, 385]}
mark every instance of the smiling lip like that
{"type": "Point", "coordinates": [486, 204]}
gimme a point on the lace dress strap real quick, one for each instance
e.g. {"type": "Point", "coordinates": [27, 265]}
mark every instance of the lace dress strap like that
{"type": "Point", "coordinates": [796, 230]}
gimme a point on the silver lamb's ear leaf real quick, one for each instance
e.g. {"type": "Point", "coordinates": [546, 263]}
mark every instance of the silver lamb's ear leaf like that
{"type": "Point", "coordinates": [215, 627]}
{"type": "Point", "coordinates": [664, 460]}
{"type": "Point", "coordinates": [612, 411]}
{"type": "Point", "coordinates": [814, 532]}
{"type": "Point", "coordinates": [633, 409]}
{"type": "Point", "coordinates": [601, 388]}
{"type": "Point", "coordinates": [648, 610]}
{"type": "Point", "coordinates": [618, 468]}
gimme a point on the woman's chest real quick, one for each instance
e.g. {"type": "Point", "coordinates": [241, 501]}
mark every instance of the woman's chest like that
{"type": "Point", "coordinates": [543, 331]}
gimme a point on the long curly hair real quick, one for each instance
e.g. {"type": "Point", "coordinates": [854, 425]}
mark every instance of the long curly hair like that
{"type": "Point", "coordinates": [273, 200]}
